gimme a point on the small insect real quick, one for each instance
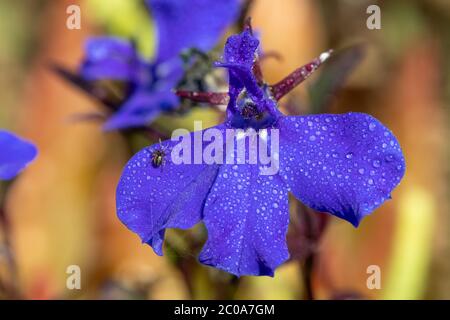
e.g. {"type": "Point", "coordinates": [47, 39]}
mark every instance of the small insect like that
{"type": "Point", "coordinates": [158, 158]}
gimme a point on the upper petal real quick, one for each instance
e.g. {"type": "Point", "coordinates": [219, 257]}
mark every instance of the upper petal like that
{"type": "Point", "coordinates": [239, 56]}
{"type": "Point", "coordinates": [152, 198]}
{"type": "Point", "coordinates": [246, 215]}
{"type": "Point", "coordinates": [345, 164]}
{"type": "Point", "coordinates": [110, 58]}
{"type": "Point", "coordinates": [183, 24]}
{"type": "Point", "coordinates": [240, 49]}
{"type": "Point", "coordinates": [15, 154]}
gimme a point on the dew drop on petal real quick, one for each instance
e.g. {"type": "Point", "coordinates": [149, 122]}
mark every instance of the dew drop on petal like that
{"type": "Point", "coordinates": [376, 163]}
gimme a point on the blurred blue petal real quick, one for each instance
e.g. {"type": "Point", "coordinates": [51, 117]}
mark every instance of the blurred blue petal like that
{"type": "Point", "coordinates": [183, 24]}
{"type": "Point", "coordinates": [15, 154]}
{"type": "Point", "coordinates": [140, 109]}
{"type": "Point", "coordinates": [110, 58]}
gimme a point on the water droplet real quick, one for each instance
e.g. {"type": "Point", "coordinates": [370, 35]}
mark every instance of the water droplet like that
{"type": "Point", "coordinates": [389, 158]}
{"type": "Point", "coordinates": [349, 155]}
{"type": "Point", "coordinates": [275, 205]}
{"type": "Point", "coordinates": [334, 155]}
{"type": "Point", "coordinates": [384, 145]}
{"type": "Point", "coordinates": [225, 175]}
{"type": "Point", "coordinates": [361, 171]}
{"type": "Point", "coordinates": [312, 138]}
{"type": "Point", "coordinates": [372, 126]}
{"type": "Point", "coordinates": [376, 163]}
{"type": "Point", "coordinates": [332, 173]}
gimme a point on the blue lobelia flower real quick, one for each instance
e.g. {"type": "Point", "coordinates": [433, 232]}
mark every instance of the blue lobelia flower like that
{"type": "Point", "coordinates": [181, 24]}
{"type": "Point", "coordinates": [343, 164]}
{"type": "Point", "coordinates": [15, 155]}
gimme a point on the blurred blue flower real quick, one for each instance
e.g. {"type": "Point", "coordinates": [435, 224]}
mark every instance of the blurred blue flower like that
{"type": "Point", "coordinates": [15, 155]}
{"type": "Point", "coordinates": [181, 24]}
{"type": "Point", "coordinates": [343, 164]}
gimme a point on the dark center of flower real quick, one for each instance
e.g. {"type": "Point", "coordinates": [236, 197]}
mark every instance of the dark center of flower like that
{"type": "Point", "coordinates": [250, 110]}
{"type": "Point", "coordinates": [254, 114]}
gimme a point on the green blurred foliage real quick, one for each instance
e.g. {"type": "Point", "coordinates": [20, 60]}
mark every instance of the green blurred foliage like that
{"type": "Point", "coordinates": [125, 18]}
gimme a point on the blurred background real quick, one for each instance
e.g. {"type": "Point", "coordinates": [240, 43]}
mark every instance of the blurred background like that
{"type": "Point", "coordinates": [62, 208]}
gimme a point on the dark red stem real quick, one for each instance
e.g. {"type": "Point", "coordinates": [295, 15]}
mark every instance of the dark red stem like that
{"type": "Point", "coordinates": [286, 85]}
{"type": "Point", "coordinates": [214, 98]}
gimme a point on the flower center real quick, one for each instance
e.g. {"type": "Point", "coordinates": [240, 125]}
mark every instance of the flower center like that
{"type": "Point", "coordinates": [257, 114]}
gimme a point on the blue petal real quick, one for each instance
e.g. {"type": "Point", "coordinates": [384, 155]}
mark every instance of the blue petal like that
{"type": "Point", "coordinates": [140, 109]}
{"type": "Point", "coordinates": [240, 49]}
{"type": "Point", "coordinates": [183, 24]}
{"type": "Point", "coordinates": [152, 198]}
{"type": "Point", "coordinates": [247, 216]}
{"type": "Point", "coordinates": [238, 58]}
{"type": "Point", "coordinates": [344, 164]}
{"type": "Point", "coordinates": [15, 155]}
{"type": "Point", "coordinates": [110, 58]}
